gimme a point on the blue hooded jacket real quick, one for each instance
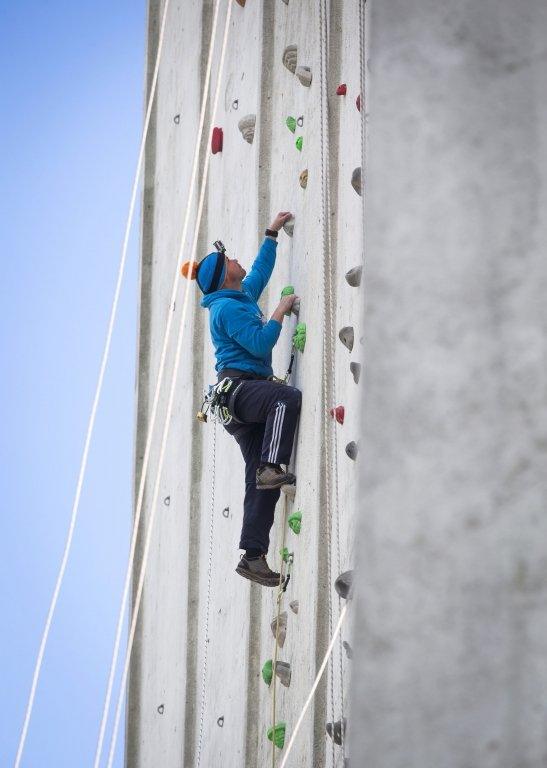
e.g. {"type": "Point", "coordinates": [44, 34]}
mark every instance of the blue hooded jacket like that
{"type": "Point", "coordinates": [241, 336]}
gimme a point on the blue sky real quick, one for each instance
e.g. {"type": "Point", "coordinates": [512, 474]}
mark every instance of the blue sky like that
{"type": "Point", "coordinates": [70, 127]}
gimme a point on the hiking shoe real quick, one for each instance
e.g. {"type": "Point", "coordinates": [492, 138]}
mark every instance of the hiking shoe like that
{"type": "Point", "coordinates": [273, 477]}
{"type": "Point", "coordinates": [257, 569]}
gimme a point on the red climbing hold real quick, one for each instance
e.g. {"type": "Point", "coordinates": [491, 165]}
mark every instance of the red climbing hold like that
{"type": "Point", "coordinates": [358, 102]}
{"type": "Point", "coordinates": [338, 413]}
{"type": "Point", "coordinates": [216, 141]}
{"type": "Point", "coordinates": [341, 90]}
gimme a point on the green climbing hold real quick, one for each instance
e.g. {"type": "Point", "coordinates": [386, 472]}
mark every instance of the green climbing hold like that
{"type": "Point", "coordinates": [299, 337]}
{"type": "Point", "coordinates": [295, 522]}
{"type": "Point", "coordinates": [278, 737]}
{"type": "Point", "coordinates": [290, 122]}
{"type": "Point", "coordinates": [288, 290]}
{"type": "Point", "coordinates": [299, 142]}
{"type": "Point", "coordinates": [267, 672]}
{"type": "Point", "coordinates": [285, 554]}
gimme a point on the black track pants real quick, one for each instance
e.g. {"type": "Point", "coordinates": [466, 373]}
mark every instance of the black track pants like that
{"type": "Point", "coordinates": [270, 415]}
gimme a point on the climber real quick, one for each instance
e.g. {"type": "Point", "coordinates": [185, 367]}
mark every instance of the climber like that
{"type": "Point", "coordinates": [265, 412]}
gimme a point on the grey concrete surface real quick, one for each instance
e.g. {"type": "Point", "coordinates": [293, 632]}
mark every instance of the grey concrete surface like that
{"type": "Point", "coordinates": [451, 607]}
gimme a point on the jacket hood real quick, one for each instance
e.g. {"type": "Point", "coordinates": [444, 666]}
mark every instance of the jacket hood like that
{"type": "Point", "coordinates": [225, 293]}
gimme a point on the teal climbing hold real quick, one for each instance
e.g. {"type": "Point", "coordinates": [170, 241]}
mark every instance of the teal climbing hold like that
{"type": "Point", "coordinates": [295, 522]}
{"type": "Point", "coordinates": [277, 734]}
{"type": "Point", "coordinates": [290, 122]}
{"type": "Point", "coordinates": [299, 337]}
{"type": "Point", "coordinates": [285, 554]}
{"type": "Point", "coordinates": [267, 672]}
{"type": "Point", "coordinates": [299, 142]}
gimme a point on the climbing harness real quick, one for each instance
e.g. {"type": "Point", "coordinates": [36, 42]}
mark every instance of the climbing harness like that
{"type": "Point", "coordinates": [218, 403]}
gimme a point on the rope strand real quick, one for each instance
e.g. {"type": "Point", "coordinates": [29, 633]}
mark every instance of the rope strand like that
{"type": "Point", "coordinates": [98, 391]}
{"type": "Point", "coordinates": [155, 403]}
{"type": "Point", "coordinates": [168, 411]}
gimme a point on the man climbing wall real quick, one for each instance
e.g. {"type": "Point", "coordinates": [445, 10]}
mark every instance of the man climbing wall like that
{"type": "Point", "coordinates": [265, 412]}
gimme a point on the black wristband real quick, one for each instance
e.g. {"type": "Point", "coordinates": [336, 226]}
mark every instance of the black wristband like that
{"type": "Point", "coordinates": [271, 233]}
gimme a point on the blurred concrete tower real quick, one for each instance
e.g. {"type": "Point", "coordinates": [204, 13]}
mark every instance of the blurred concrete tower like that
{"type": "Point", "coordinates": [439, 484]}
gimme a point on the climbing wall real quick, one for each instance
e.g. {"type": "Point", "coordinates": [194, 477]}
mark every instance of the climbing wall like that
{"type": "Point", "coordinates": [196, 693]}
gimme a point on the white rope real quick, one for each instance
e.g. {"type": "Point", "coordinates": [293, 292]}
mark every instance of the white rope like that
{"type": "Point", "coordinates": [328, 331]}
{"type": "Point", "coordinates": [314, 686]}
{"type": "Point", "coordinates": [208, 601]}
{"type": "Point", "coordinates": [98, 390]}
{"type": "Point", "coordinates": [151, 425]}
{"type": "Point", "coordinates": [168, 413]}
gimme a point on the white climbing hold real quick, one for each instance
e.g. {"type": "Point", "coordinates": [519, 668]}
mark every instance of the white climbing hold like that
{"type": "Point", "coordinates": [353, 276]}
{"type": "Point", "coordinates": [282, 633]}
{"type": "Point", "coordinates": [288, 226]}
{"type": "Point", "coordinates": [289, 491]}
{"type": "Point", "coordinates": [290, 57]}
{"type": "Point", "coordinates": [356, 180]}
{"type": "Point", "coordinates": [247, 127]}
{"type": "Point", "coordinates": [304, 75]}
{"type": "Point", "coordinates": [294, 606]}
{"type": "Point", "coordinates": [346, 336]}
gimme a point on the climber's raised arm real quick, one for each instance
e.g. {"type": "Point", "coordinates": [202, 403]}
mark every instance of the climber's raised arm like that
{"type": "Point", "coordinates": [263, 265]}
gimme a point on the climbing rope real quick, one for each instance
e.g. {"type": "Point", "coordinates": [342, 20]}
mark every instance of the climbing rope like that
{"type": "Point", "coordinates": [208, 599]}
{"type": "Point", "coordinates": [314, 686]}
{"type": "Point", "coordinates": [279, 600]}
{"type": "Point", "coordinates": [96, 398]}
{"type": "Point", "coordinates": [155, 403]}
{"type": "Point", "coordinates": [170, 399]}
{"type": "Point", "coordinates": [329, 386]}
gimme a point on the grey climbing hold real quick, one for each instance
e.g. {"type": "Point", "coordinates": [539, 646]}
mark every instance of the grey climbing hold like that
{"type": "Point", "coordinates": [356, 180]}
{"type": "Point", "coordinates": [355, 369]}
{"type": "Point", "coordinates": [294, 606]}
{"type": "Point", "coordinates": [347, 336]}
{"type": "Point", "coordinates": [348, 649]}
{"type": "Point", "coordinates": [290, 57]}
{"type": "Point", "coordinates": [167, 501]}
{"type": "Point", "coordinates": [283, 671]}
{"type": "Point", "coordinates": [335, 730]}
{"type": "Point", "coordinates": [220, 721]}
{"type": "Point", "coordinates": [353, 276]}
{"type": "Point", "coordinates": [286, 2]}
{"type": "Point", "coordinates": [288, 226]}
{"type": "Point", "coordinates": [176, 119]}
{"type": "Point", "coordinates": [300, 121]}
{"type": "Point", "coordinates": [226, 512]}
{"type": "Point", "coordinates": [304, 75]}
{"type": "Point", "coordinates": [352, 449]}
{"type": "Point", "coordinates": [344, 585]}
{"type": "Point", "coordinates": [247, 127]}
{"type": "Point", "coordinates": [161, 709]}
{"type": "Point", "coordinates": [282, 628]}
{"type": "Point", "coordinates": [289, 491]}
